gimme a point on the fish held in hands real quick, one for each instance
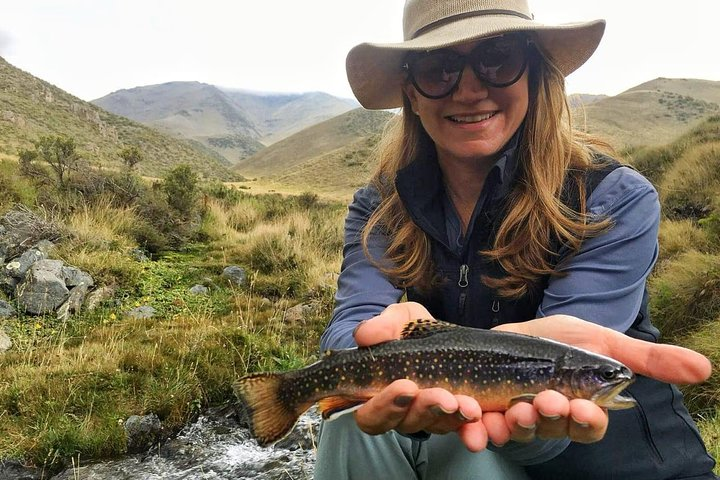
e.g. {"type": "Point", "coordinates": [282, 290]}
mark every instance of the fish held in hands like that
{"type": "Point", "coordinates": [496, 368]}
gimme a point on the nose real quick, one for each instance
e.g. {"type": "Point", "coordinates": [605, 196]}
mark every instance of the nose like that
{"type": "Point", "coordinates": [470, 87]}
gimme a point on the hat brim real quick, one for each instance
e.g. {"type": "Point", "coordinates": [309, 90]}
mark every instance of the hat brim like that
{"type": "Point", "coordinates": [374, 69]}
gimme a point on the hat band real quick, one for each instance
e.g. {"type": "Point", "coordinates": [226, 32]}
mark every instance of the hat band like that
{"type": "Point", "coordinates": [460, 16]}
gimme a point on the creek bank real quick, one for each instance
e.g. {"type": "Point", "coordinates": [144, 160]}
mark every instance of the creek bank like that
{"type": "Point", "coordinates": [216, 446]}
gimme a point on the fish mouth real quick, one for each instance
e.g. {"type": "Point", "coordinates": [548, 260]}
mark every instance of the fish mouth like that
{"type": "Point", "coordinates": [609, 397]}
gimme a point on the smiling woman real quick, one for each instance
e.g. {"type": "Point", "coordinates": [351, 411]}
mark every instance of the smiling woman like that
{"type": "Point", "coordinates": [489, 210]}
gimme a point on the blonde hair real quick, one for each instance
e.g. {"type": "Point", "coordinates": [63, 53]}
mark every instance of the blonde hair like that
{"type": "Point", "coordinates": [536, 221]}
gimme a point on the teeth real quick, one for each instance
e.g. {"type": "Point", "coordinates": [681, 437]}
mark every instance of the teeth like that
{"type": "Point", "coordinates": [471, 118]}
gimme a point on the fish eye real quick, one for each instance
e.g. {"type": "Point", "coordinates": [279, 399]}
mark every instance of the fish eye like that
{"type": "Point", "coordinates": [608, 372]}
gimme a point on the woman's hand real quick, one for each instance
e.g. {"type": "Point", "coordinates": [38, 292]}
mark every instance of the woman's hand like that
{"type": "Point", "coordinates": [404, 407]}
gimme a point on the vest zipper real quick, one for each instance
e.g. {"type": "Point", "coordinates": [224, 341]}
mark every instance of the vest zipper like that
{"type": "Point", "coordinates": [496, 312]}
{"type": "Point", "coordinates": [463, 283]}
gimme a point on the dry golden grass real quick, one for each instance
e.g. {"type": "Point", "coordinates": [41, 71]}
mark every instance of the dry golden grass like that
{"type": "Point", "coordinates": [691, 182]}
{"type": "Point", "coordinates": [677, 236]}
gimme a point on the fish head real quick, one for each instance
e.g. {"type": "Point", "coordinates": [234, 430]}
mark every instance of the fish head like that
{"type": "Point", "coordinates": [602, 384]}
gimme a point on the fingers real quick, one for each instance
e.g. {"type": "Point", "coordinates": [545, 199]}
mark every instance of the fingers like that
{"type": "Point", "coordinates": [552, 415]}
{"type": "Point", "coordinates": [389, 324]}
{"type": "Point", "coordinates": [667, 363]}
{"type": "Point", "coordinates": [403, 407]}
{"type": "Point", "coordinates": [387, 409]}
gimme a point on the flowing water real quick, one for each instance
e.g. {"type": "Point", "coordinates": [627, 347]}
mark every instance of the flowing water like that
{"type": "Point", "coordinates": [213, 447]}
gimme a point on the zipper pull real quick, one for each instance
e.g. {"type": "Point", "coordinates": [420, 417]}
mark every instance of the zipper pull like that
{"type": "Point", "coordinates": [464, 269]}
{"type": "Point", "coordinates": [496, 310]}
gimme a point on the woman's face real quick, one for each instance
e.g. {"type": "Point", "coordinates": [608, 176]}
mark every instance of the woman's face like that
{"type": "Point", "coordinates": [475, 121]}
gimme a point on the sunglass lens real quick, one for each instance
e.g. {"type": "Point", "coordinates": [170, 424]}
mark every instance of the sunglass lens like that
{"type": "Point", "coordinates": [499, 62]}
{"type": "Point", "coordinates": [435, 74]}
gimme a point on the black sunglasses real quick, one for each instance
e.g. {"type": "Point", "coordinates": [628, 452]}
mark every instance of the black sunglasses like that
{"type": "Point", "coordinates": [498, 62]}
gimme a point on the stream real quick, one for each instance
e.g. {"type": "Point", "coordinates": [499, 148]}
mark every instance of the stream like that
{"type": "Point", "coordinates": [213, 447]}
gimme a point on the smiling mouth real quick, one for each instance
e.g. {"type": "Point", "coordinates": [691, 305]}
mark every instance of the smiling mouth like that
{"type": "Point", "coordinates": [471, 118]}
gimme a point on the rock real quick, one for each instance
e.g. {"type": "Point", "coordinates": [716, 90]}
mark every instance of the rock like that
{"type": "Point", "coordinates": [139, 255]}
{"type": "Point", "coordinates": [22, 227]}
{"type": "Point", "coordinates": [199, 290]}
{"type": "Point", "coordinates": [45, 246]}
{"type": "Point", "coordinates": [235, 275]}
{"type": "Point", "coordinates": [141, 312]}
{"type": "Point", "coordinates": [43, 289]}
{"type": "Point", "coordinates": [297, 313]}
{"type": "Point", "coordinates": [74, 302]}
{"type": "Point", "coordinates": [7, 310]}
{"type": "Point", "coordinates": [74, 277]}
{"type": "Point", "coordinates": [8, 283]}
{"type": "Point", "coordinates": [142, 432]}
{"type": "Point", "coordinates": [18, 267]}
{"type": "Point", "coordinates": [14, 470]}
{"type": "Point", "coordinates": [5, 342]}
{"type": "Point", "coordinates": [97, 297]}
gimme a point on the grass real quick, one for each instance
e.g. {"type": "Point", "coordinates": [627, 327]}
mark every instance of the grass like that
{"type": "Point", "coordinates": [67, 387]}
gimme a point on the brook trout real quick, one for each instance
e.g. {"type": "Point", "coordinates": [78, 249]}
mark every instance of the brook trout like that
{"type": "Point", "coordinates": [496, 368]}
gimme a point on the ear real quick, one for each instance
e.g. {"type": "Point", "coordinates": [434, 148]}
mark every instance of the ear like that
{"type": "Point", "coordinates": [412, 95]}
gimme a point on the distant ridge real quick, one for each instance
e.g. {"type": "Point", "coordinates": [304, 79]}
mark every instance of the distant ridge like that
{"type": "Point", "coordinates": [652, 113]}
{"type": "Point", "coordinates": [31, 107]}
{"type": "Point", "coordinates": [234, 123]}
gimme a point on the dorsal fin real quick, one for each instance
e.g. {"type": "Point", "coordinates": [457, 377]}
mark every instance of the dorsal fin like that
{"type": "Point", "coordinates": [424, 327]}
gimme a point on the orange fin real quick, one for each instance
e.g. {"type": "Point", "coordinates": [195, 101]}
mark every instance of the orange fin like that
{"type": "Point", "coordinates": [332, 407]}
{"type": "Point", "coordinates": [268, 417]}
{"type": "Point", "coordinates": [424, 327]}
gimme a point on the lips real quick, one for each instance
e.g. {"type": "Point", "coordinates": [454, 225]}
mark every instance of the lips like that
{"type": "Point", "coordinates": [471, 118]}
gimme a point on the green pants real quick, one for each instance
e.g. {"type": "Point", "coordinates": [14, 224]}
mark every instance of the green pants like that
{"type": "Point", "coordinates": [346, 453]}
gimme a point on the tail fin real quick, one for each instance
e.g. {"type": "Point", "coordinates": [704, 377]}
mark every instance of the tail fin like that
{"type": "Point", "coordinates": [269, 418]}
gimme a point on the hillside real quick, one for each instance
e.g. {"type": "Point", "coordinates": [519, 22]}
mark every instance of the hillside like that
{"type": "Point", "coordinates": [346, 138]}
{"type": "Point", "coordinates": [664, 107]}
{"type": "Point", "coordinates": [233, 123]}
{"type": "Point", "coordinates": [31, 107]}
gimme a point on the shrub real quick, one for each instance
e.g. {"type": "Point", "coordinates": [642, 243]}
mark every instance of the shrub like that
{"type": "Point", "coordinates": [181, 189]}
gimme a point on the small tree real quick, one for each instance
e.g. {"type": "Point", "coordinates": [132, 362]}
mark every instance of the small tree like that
{"type": "Point", "coordinates": [131, 156]}
{"type": "Point", "coordinates": [181, 188]}
{"type": "Point", "coordinates": [58, 152]}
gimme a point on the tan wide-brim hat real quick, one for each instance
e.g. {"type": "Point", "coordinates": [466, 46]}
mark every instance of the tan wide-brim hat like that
{"type": "Point", "coordinates": [375, 72]}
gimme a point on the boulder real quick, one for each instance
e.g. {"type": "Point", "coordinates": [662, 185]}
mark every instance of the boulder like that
{"type": "Point", "coordinates": [43, 289]}
{"type": "Point", "coordinates": [74, 277]}
{"type": "Point", "coordinates": [5, 342]}
{"type": "Point", "coordinates": [19, 266]}
{"type": "Point", "coordinates": [199, 290]}
{"type": "Point", "coordinates": [7, 310]}
{"type": "Point", "coordinates": [235, 275]}
{"type": "Point", "coordinates": [98, 296]}
{"type": "Point", "coordinates": [142, 432]}
{"type": "Point", "coordinates": [74, 302]}
{"type": "Point", "coordinates": [141, 312]}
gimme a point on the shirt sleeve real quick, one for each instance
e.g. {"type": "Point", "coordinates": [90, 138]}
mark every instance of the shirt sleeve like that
{"type": "Point", "coordinates": [363, 290]}
{"type": "Point", "coordinates": [605, 281]}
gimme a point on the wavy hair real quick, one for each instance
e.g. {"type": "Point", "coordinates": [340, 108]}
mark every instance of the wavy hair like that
{"type": "Point", "coordinates": [536, 220]}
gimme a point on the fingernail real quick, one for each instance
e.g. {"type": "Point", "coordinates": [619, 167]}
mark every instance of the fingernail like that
{"type": "Point", "coordinates": [438, 410]}
{"type": "Point", "coordinates": [550, 417]}
{"type": "Point", "coordinates": [498, 445]}
{"type": "Point", "coordinates": [403, 400]}
{"type": "Point", "coordinates": [580, 424]}
{"type": "Point", "coordinates": [527, 427]}
{"type": "Point", "coordinates": [464, 418]}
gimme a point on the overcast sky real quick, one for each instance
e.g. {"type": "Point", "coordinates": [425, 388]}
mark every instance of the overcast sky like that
{"type": "Point", "coordinates": [93, 47]}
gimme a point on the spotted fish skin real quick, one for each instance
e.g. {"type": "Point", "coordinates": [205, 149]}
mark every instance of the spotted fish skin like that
{"type": "Point", "coordinates": [495, 368]}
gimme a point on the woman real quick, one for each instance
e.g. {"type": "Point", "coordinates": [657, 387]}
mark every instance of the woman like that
{"type": "Point", "coordinates": [488, 210]}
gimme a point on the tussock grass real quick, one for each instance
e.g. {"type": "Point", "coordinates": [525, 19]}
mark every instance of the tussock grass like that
{"type": "Point", "coordinates": [689, 188]}
{"type": "Point", "coordinates": [705, 397]}
{"type": "Point", "coordinates": [685, 293]}
{"type": "Point", "coordinates": [677, 236]}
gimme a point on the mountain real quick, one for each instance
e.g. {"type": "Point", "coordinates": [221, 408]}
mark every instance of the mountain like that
{"type": "Point", "coordinates": [234, 123]}
{"type": "Point", "coordinates": [31, 107]}
{"type": "Point", "coordinates": [652, 113]}
{"type": "Point", "coordinates": [332, 156]}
